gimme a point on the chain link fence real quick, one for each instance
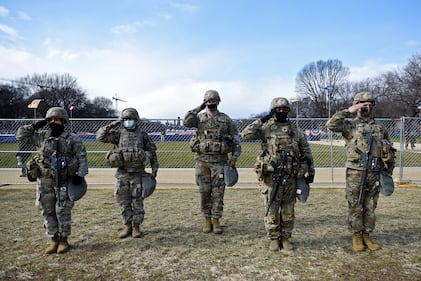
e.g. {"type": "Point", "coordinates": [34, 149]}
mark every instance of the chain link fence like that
{"type": "Point", "coordinates": [172, 138]}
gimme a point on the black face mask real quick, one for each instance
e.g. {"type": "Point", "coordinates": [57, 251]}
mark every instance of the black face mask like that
{"type": "Point", "coordinates": [366, 111]}
{"type": "Point", "coordinates": [212, 107]}
{"type": "Point", "coordinates": [56, 129]}
{"type": "Point", "coordinates": [281, 116]}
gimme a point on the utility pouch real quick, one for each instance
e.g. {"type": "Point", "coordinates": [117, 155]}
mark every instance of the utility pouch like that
{"type": "Point", "coordinates": [387, 152]}
{"type": "Point", "coordinates": [114, 158]}
{"type": "Point", "coordinates": [303, 169]}
{"type": "Point", "coordinates": [258, 168]}
{"type": "Point", "coordinates": [33, 169]}
{"type": "Point", "coordinates": [133, 156]}
{"type": "Point", "coordinates": [194, 144]}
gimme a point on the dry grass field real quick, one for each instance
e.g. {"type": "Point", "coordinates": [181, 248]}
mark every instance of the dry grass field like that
{"type": "Point", "coordinates": [173, 247]}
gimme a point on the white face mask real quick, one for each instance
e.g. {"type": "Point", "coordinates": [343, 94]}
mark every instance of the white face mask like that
{"type": "Point", "coordinates": [128, 124]}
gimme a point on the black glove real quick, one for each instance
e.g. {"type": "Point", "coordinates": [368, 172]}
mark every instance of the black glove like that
{"type": "Point", "coordinates": [77, 180]}
{"type": "Point", "coordinates": [40, 124]}
{"type": "Point", "coordinates": [310, 177]}
{"type": "Point", "coordinates": [154, 173]}
{"type": "Point", "coordinates": [265, 118]}
{"type": "Point", "coordinates": [30, 178]}
{"type": "Point", "coordinates": [203, 106]}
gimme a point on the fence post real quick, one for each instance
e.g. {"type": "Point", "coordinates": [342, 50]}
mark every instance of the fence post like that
{"type": "Point", "coordinates": [402, 147]}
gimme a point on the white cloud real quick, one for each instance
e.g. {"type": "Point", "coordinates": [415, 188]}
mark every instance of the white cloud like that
{"type": "Point", "coordinates": [3, 11]}
{"type": "Point", "coordinates": [10, 33]}
{"type": "Point", "coordinates": [185, 7]}
{"type": "Point", "coordinates": [370, 69]}
{"type": "Point", "coordinates": [160, 84]}
{"type": "Point", "coordinates": [53, 52]}
{"type": "Point", "coordinates": [130, 27]}
{"type": "Point", "coordinates": [24, 16]}
{"type": "Point", "coordinates": [413, 43]}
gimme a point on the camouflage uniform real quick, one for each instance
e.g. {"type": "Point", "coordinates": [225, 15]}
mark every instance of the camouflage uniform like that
{"type": "Point", "coordinates": [135, 146]}
{"type": "Point", "coordinates": [277, 136]}
{"type": "Point", "coordinates": [23, 155]}
{"type": "Point", "coordinates": [216, 137]}
{"type": "Point", "coordinates": [57, 214]}
{"type": "Point", "coordinates": [361, 218]}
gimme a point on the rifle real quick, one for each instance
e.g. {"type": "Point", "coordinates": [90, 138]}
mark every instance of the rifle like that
{"type": "Point", "coordinates": [365, 162]}
{"type": "Point", "coordinates": [279, 176]}
{"type": "Point", "coordinates": [58, 162]}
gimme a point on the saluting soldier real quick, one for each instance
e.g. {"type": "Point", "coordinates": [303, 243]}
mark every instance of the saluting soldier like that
{"type": "Point", "coordinates": [59, 166]}
{"type": "Point", "coordinates": [284, 147]}
{"type": "Point", "coordinates": [217, 137]}
{"type": "Point", "coordinates": [134, 149]}
{"type": "Point", "coordinates": [358, 132]}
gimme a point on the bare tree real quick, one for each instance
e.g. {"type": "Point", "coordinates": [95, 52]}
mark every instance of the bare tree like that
{"type": "Point", "coordinates": [318, 81]}
{"type": "Point", "coordinates": [412, 80]}
{"type": "Point", "coordinates": [401, 89]}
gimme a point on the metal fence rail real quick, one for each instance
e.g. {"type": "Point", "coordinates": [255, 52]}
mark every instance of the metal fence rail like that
{"type": "Point", "coordinates": [171, 138]}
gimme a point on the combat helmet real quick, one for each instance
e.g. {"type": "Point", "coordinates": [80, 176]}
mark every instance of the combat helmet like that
{"type": "Point", "coordinates": [279, 102]}
{"type": "Point", "coordinates": [211, 95]}
{"type": "Point", "coordinates": [57, 112]}
{"type": "Point", "coordinates": [363, 97]}
{"type": "Point", "coordinates": [130, 113]}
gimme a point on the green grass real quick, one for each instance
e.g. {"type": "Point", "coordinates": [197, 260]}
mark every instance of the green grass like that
{"type": "Point", "coordinates": [174, 248]}
{"type": "Point", "coordinates": [178, 155]}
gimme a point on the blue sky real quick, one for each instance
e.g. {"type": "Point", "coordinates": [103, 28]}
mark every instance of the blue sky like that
{"type": "Point", "coordinates": [161, 56]}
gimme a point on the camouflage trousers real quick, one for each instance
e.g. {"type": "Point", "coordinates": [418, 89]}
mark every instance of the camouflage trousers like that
{"type": "Point", "coordinates": [279, 221]}
{"type": "Point", "coordinates": [361, 216]}
{"type": "Point", "coordinates": [57, 214]}
{"type": "Point", "coordinates": [128, 193]}
{"type": "Point", "coordinates": [210, 179]}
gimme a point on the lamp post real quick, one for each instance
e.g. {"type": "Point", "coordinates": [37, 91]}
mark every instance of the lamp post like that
{"type": "Point", "coordinates": [329, 89]}
{"type": "Point", "coordinates": [296, 100]}
{"type": "Point", "coordinates": [71, 108]}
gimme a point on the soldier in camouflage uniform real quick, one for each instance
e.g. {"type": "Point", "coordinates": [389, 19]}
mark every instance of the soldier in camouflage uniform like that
{"type": "Point", "coordinates": [278, 136]}
{"type": "Point", "coordinates": [134, 150]}
{"type": "Point", "coordinates": [52, 200]}
{"type": "Point", "coordinates": [217, 136]}
{"type": "Point", "coordinates": [361, 218]}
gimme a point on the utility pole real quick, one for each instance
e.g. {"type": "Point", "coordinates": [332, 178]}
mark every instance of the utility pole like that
{"type": "Point", "coordinates": [116, 101]}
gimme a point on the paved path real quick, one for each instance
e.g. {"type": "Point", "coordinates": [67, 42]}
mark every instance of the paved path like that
{"type": "Point", "coordinates": [184, 178]}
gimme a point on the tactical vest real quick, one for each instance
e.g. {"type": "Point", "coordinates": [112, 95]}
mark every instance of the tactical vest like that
{"type": "Point", "coordinates": [47, 158]}
{"type": "Point", "coordinates": [131, 149]}
{"type": "Point", "coordinates": [212, 136]}
{"type": "Point", "coordinates": [282, 136]}
{"type": "Point", "coordinates": [359, 141]}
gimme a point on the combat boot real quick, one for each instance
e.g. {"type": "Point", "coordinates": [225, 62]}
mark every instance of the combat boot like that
{"type": "Point", "coordinates": [274, 245]}
{"type": "Point", "coordinates": [52, 248]}
{"type": "Point", "coordinates": [286, 245]}
{"type": "Point", "coordinates": [63, 245]}
{"type": "Point", "coordinates": [136, 230]}
{"type": "Point", "coordinates": [128, 229]}
{"type": "Point", "coordinates": [370, 243]}
{"type": "Point", "coordinates": [216, 226]}
{"type": "Point", "coordinates": [357, 242]}
{"type": "Point", "coordinates": [207, 225]}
